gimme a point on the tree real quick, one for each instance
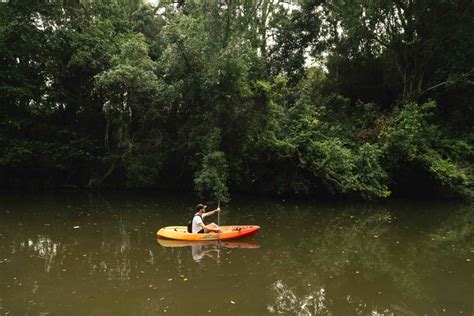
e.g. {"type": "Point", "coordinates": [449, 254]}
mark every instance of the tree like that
{"type": "Point", "coordinates": [130, 87]}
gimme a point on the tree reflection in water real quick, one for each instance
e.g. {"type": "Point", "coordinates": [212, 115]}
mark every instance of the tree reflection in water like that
{"type": "Point", "coordinates": [370, 259]}
{"type": "Point", "coordinates": [45, 249]}
{"type": "Point", "coordinates": [117, 264]}
{"type": "Point", "coordinates": [286, 301]}
{"type": "Point", "coordinates": [371, 262]}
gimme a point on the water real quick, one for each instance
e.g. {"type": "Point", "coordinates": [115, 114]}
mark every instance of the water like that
{"type": "Point", "coordinates": [96, 254]}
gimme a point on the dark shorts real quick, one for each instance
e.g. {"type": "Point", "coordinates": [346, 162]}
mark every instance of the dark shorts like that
{"type": "Point", "coordinates": [201, 231]}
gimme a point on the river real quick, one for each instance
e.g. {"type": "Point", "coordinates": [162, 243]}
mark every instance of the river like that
{"type": "Point", "coordinates": [80, 253]}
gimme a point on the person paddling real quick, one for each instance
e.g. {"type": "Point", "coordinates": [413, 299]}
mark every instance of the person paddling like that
{"type": "Point", "coordinates": [198, 226]}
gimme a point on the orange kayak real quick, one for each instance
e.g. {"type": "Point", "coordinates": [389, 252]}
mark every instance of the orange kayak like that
{"type": "Point", "coordinates": [227, 232]}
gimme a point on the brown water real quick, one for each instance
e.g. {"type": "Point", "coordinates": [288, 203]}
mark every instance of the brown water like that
{"type": "Point", "coordinates": [93, 254]}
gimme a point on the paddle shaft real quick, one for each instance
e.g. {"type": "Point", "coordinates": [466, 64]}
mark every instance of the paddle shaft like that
{"type": "Point", "coordinates": [218, 213]}
{"type": "Point", "coordinates": [218, 218]}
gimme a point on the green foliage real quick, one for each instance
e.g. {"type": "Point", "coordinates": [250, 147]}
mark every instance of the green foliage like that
{"type": "Point", "coordinates": [408, 131]}
{"type": "Point", "coordinates": [409, 136]}
{"type": "Point", "coordinates": [143, 169]}
{"type": "Point", "coordinates": [448, 173]}
{"type": "Point", "coordinates": [132, 71]}
{"type": "Point", "coordinates": [328, 154]}
{"type": "Point", "coordinates": [211, 179]}
{"type": "Point", "coordinates": [317, 98]}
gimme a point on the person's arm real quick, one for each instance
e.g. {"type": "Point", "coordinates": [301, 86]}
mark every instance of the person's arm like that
{"type": "Point", "coordinates": [211, 212]}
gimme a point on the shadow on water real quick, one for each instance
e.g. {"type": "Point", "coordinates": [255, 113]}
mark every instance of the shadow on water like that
{"type": "Point", "coordinates": [98, 254]}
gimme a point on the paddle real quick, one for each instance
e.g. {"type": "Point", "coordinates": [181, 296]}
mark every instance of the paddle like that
{"type": "Point", "coordinates": [219, 219]}
{"type": "Point", "coordinates": [219, 213]}
{"type": "Point", "coordinates": [219, 233]}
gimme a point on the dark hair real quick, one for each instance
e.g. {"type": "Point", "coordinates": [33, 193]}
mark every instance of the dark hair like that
{"type": "Point", "coordinates": [200, 206]}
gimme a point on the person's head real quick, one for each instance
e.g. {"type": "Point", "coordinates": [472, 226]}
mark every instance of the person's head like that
{"type": "Point", "coordinates": [200, 208]}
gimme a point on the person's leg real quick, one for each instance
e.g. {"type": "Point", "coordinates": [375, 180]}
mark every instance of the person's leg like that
{"type": "Point", "coordinates": [212, 228]}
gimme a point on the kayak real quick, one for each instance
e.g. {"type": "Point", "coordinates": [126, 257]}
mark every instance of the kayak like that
{"type": "Point", "coordinates": [227, 232]}
{"type": "Point", "coordinates": [170, 243]}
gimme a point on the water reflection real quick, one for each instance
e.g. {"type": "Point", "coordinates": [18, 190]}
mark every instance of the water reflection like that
{"type": "Point", "coordinates": [117, 265]}
{"type": "Point", "coordinates": [200, 251]}
{"type": "Point", "coordinates": [376, 262]}
{"type": "Point", "coordinates": [45, 249]}
{"type": "Point", "coordinates": [315, 301]}
{"type": "Point", "coordinates": [390, 259]}
{"type": "Point", "coordinates": [210, 249]}
{"type": "Point", "coordinates": [287, 302]}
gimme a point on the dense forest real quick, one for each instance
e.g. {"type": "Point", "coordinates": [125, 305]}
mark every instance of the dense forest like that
{"type": "Point", "coordinates": [346, 99]}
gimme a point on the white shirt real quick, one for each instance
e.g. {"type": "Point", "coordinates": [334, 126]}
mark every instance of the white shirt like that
{"type": "Point", "coordinates": [196, 221]}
